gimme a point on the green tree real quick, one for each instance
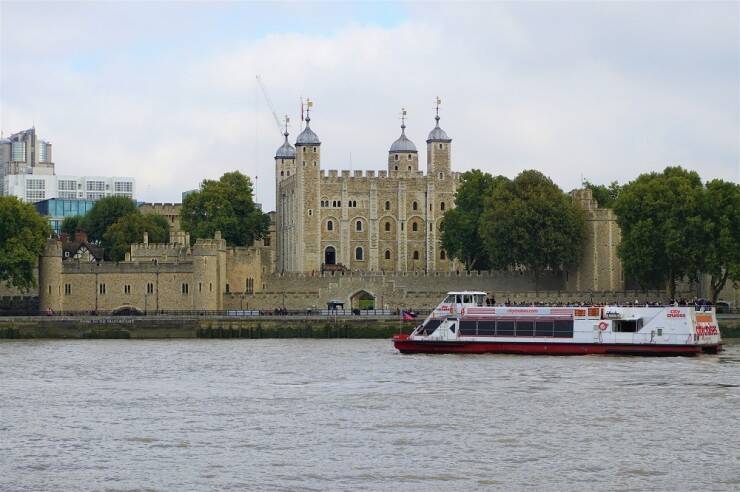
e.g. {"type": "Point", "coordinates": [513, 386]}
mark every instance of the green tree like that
{"type": "Point", "coordinates": [660, 216]}
{"type": "Point", "coordinates": [460, 235]}
{"type": "Point", "coordinates": [604, 195]}
{"type": "Point", "coordinates": [720, 256]}
{"type": "Point", "coordinates": [70, 225]}
{"type": "Point", "coordinates": [530, 222]}
{"type": "Point", "coordinates": [23, 233]}
{"type": "Point", "coordinates": [130, 229]}
{"type": "Point", "coordinates": [225, 205]}
{"type": "Point", "coordinates": [105, 213]}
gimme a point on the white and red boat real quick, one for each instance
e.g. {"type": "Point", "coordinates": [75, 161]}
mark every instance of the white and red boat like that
{"type": "Point", "coordinates": [462, 323]}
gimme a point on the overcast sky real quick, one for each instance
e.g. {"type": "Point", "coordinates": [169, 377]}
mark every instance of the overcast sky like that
{"type": "Point", "coordinates": [166, 92]}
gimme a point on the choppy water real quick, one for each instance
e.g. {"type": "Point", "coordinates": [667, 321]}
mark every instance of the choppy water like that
{"type": "Point", "coordinates": [354, 414]}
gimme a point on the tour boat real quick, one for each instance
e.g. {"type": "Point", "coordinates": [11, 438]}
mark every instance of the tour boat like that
{"type": "Point", "coordinates": [462, 323]}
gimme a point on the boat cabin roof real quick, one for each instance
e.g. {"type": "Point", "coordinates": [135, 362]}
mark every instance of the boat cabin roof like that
{"type": "Point", "coordinates": [468, 292]}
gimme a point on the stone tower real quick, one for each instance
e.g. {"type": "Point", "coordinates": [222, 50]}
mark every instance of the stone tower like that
{"type": "Point", "coordinates": [439, 148]}
{"type": "Point", "coordinates": [307, 212]}
{"type": "Point", "coordinates": [209, 275]}
{"type": "Point", "coordinates": [50, 277]}
{"type": "Point", "coordinates": [402, 156]}
{"type": "Point", "coordinates": [284, 169]}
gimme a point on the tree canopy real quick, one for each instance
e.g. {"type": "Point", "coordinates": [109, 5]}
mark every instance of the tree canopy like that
{"type": "Point", "coordinates": [661, 217]}
{"type": "Point", "coordinates": [531, 222]}
{"type": "Point", "coordinates": [105, 213]}
{"type": "Point", "coordinates": [720, 257]}
{"type": "Point", "coordinates": [460, 225]}
{"type": "Point", "coordinates": [130, 229]}
{"type": "Point", "coordinates": [23, 233]}
{"type": "Point", "coordinates": [70, 225]}
{"type": "Point", "coordinates": [225, 205]}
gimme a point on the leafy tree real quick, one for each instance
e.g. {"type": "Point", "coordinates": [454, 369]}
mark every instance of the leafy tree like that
{"type": "Point", "coordinates": [130, 229]}
{"type": "Point", "coordinates": [604, 195]}
{"type": "Point", "coordinates": [23, 233]}
{"type": "Point", "coordinates": [460, 235]}
{"type": "Point", "coordinates": [225, 205]}
{"type": "Point", "coordinates": [530, 222]}
{"type": "Point", "coordinates": [105, 213]}
{"type": "Point", "coordinates": [721, 238]}
{"type": "Point", "coordinates": [70, 225]}
{"type": "Point", "coordinates": [660, 216]}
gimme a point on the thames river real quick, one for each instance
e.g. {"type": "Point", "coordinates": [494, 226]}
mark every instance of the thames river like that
{"type": "Point", "coordinates": [356, 415]}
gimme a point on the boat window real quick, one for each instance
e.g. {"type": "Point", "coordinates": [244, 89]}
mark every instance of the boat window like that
{"type": "Point", "coordinates": [627, 325]}
{"type": "Point", "coordinates": [430, 326]}
{"type": "Point", "coordinates": [486, 328]}
{"type": "Point", "coordinates": [458, 299]}
{"type": "Point", "coordinates": [480, 299]}
{"type": "Point", "coordinates": [452, 327]}
{"type": "Point", "coordinates": [525, 328]}
{"type": "Point", "coordinates": [467, 299]}
{"type": "Point", "coordinates": [505, 328]}
{"type": "Point", "coordinates": [449, 299]}
{"type": "Point", "coordinates": [468, 328]}
{"type": "Point", "coordinates": [563, 328]}
{"type": "Point", "coordinates": [543, 328]}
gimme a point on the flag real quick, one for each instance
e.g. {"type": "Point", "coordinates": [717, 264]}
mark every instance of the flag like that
{"type": "Point", "coordinates": [408, 315]}
{"type": "Point", "coordinates": [301, 109]}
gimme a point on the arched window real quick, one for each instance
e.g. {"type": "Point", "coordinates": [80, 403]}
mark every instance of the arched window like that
{"type": "Point", "coordinates": [387, 254]}
{"type": "Point", "coordinates": [409, 157]}
{"type": "Point", "coordinates": [387, 205]}
{"type": "Point", "coordinates": [442, 205]}
{"type": "Point", "coordinates": [442, 255]}
{"type": "Point", "coordinates": [330, 226]}
{"type": "Point", "coordinates": [416, 255]}
{"type": "Point", "coordinates": [395, 157]}
{"type": "Point", "coordinates": [415, 206]}
{"type": "Point", "coordinates": [409, 168]}
{"type": "Point", "coordinates": [282, 173]}
{"type": "Point", "coordinates": [395, 168]}
{"type": "Point", "coordinates": [414, 226]}
{"type": "Point", "coordinates": [358, 226]}
{"type": "Point", "coordinates": [288, 173]}
{"type": "Point", "coordinates": [358, 254]}
{"type": "Point", "coordinates": [388, 226]}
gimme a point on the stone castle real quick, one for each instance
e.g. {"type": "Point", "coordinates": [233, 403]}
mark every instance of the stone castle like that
{"type": "Point", "coordinates": [342, 236]}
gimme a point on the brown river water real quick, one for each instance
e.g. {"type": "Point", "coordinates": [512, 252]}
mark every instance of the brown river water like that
{"type": "Point", "coordinates": [356, 415]}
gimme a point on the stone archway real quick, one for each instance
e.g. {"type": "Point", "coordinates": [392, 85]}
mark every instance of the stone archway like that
{"type": "Point", "coordinates": [362, 300]}
{"type": "Point", "coordinates": [127, 310]}
{"type": "Point", "coordinates": [330, 256]}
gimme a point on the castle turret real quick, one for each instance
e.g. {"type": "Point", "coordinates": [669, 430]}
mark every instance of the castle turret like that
{"type": "Point", "coordinates": [402, 156]}
{"type": "Point", "coordinates": [438, 149]}
{"type": "Point", "coordinates": [50, 277]}
{"type": "Point", "coordinates": [306, 211]}
{"type": "Point", "coordinates": [209, 275]}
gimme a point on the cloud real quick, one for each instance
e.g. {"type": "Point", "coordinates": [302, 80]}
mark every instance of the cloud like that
{"type": "Point", "coordinates": [603, 90]}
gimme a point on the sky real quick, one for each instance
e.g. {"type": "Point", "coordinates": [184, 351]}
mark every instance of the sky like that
{"type": "Point", "coordinates": [166, 92]}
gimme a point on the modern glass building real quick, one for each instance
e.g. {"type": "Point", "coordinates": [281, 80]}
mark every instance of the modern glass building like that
{"type": "Point", "coordinates": [56, 210]}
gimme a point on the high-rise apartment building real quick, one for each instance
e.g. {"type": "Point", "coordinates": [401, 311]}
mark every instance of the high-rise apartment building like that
{"type": "Point", "coordinates": [24, 153]}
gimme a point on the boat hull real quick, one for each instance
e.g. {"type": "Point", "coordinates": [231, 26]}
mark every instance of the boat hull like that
{"type": "Point", "coordinates": [408, 346]}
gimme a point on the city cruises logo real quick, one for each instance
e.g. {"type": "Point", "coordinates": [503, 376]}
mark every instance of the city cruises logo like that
{"type": "Point", "coordinates": [676, 313]}
{"type": "Point", "coordinates": [612, 314]}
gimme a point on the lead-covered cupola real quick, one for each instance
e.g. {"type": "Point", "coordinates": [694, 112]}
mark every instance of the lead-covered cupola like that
{"type": "Point", "coordinates": [307, 136]}
{"type": "Point", "coordinates": [285, 151]}
{"type": "Point", "coordinates": [403, 156]}
{"type": "Point", "coordinates": [439, 149]}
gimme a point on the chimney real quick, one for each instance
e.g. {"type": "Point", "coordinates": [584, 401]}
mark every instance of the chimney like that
{"type": "Point", "coordinates": [80, 236]}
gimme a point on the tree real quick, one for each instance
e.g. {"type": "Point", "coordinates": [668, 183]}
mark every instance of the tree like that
{"type": "Point", "coordinates": [70, 225]}
{"type": "Point", "coordinates": [105, 213]}
{"type": "Point", "coordinates": [23, 233]}
{"type": "Point", "coordinates": [660, 216]}
{"type": "Point", "coordinates": [130, 229]}
{"type": "Point", "coordinates": [530, 222]}
{"type": "Point", "coordinates": [604, 195]}
{"type": "Point", "coordinates": [225, 205]}
{"type": "Point", "coordinates": [460, 235]}
{"type": "Point", "coordinates": [721, 237]}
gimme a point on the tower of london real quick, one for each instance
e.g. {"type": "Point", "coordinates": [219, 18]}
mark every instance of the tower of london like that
{"type": "Point", "coordinates": [363, 221]}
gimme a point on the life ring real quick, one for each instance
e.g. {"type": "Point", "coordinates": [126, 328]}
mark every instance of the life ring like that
{"type": "Point", "coordinates": [603, 325]}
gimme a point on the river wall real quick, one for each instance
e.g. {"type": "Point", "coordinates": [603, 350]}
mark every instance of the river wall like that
{"type": "Point", "coordinates": [139, 327]}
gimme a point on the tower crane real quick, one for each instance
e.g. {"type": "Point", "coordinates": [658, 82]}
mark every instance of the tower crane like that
{"type": "Point", "coordinates": [269, 103]}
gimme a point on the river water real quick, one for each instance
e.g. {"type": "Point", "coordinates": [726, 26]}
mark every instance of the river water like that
{"type": "Point", "coordinates": [356, 415]}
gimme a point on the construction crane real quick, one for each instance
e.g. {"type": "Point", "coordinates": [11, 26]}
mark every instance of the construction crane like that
{"type": "Point", "coordinates": [269, 104]}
